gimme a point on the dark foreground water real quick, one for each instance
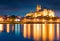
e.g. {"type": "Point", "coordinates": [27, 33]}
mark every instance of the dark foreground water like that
{"type": "Point", "coordinates": [14, 37]}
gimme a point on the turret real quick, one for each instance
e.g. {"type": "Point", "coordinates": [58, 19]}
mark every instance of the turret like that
{"type": "Point", "coordinates": [38, 8]}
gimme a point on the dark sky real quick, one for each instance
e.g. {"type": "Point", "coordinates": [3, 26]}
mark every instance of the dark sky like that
{"type": "Point", "coordinates": [21, 7]}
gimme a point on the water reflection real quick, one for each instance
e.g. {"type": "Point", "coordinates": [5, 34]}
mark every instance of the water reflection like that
{"type": "Point", "coordinates": [51, 31]}
{"type": "Point", "coordinates": [37, 32]}
{"type": "Point", "coordinates": [29, 30]}
{"type": "Point", "coordinates": [57, 31]}
{"type": "Point", "coordinates": [17, 29]}
{"type": "Point", "coordinates": [44, 31]}
{"type": "Point", "coordinates": [41, 31]}
{"type": "Point", "coordinates": [1, 27]}
{"type": "Point", "coordinates": [8, 28]}
{"type": "Point", "coordinates": [12, 27]}
{"type": "Point", "coordinates": [24, 31]}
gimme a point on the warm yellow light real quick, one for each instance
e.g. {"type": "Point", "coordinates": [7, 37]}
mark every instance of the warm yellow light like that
{"type": "Point", "coordinates": [38, 8]}
{"type": "Point", "coordinates": [51, 31]}
{"type": "Point", "coordinates": [44, 32]}
{"type": "Point", "coordinates": [57, 31]}
{"type": "Point", "coordinates": [51, 13]}
{"type": "Point", "coordinates": [12, 27]}
{"type": "Point", "coordinates": [45, 12]}
{"type": "Point", "coordinates": [34, 31]}
{"type": "Point", "coordinates": [29, 14]}
{"type": "Point", "coordinates": [38, 31]}
{"type": "Point", "coordinates": [29, 30]}
{"type": "Point", "coordinates": [40, 12]}
{"type": "Point", "coordinates": [1, 27]}
{"type": "Point", "coordinates": [43, 20]}
{"type": "Point", "coordinates": [1, 19]}
{"type": "Point", "coordinates": [35, 14]}
{"type": "Point", "coordinates": [8, 28]}
{"type": "Point", "coordinates": [24, 31]}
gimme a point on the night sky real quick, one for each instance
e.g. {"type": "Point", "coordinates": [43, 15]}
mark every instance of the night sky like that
{"type": "Point", "coordinates": [21, 7]}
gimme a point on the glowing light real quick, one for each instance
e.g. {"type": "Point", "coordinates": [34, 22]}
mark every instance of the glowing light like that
{"type": "Point", "coordinates": [35, 31]}
{"type": "Point", "coordinates": [12, 27]}
{"type": "Point", "coordinates": [8, 28]}
{"type": "Point", "coordinates": [51, 13]}
{"type": "Point", "coordinates": [51, 31]}
{"type": "Point", "coordinates": [1, 19]}
{"type": "Point", "coordinates": [24, 31]}
{"type": "Point", "coordinates": [38, 31]}
{"type": "Point", "coordinates": [57, 31]}
{"type": "Point", "coordinates": [1, 27]}
{"type": "Point", "coordinates": [29, 30]}
{"type": "Point", "coordinates": [38, 8]}
{"type": "Point", "coordinates": [45, 12]}
{"type": "Point", "coordinates": [35, 15]}
{"type": "Point", "coordinates": [44, 32]}
{"type": "Point", "coordinates": [29, 14]}
{"type": "Point", "coordinates": [17, 27]}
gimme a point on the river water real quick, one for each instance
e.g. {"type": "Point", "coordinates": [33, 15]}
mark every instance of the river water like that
{"type": "Point", "coordinates": [29, 32]}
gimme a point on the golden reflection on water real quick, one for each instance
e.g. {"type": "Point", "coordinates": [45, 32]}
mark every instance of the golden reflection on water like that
{"type": "Point", "coordinates": [38, 31]}
{"type": "Point", "coordinates": [51, 31]}
{"type": "Point", "coordinates": [12, 27]}
{"type": "Point", "coordinates": [44, 31]}
{"type": "Point", "coordinates": [57, 31]}
{"type": "Point", "coordinates": [1, 27]}
{"type": "Point", "coordinates": [34, 31]}
{"type": "Point", "coordinates": [29, 30]}
{"type": "Point", "coordinates": [24, 31]}
{"type": "Point", "coordinates": [8, 28]}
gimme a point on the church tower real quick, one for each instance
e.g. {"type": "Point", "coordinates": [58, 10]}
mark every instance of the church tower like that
{"type": "Point", "coordinates": [38, 8]}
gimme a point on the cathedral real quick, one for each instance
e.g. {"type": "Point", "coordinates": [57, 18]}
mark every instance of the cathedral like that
{"type": "Point", "coordinates": [41, 12]}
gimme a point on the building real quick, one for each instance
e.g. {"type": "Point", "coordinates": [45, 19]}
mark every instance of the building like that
{"type": "Point", "coordinates": [41, 12]}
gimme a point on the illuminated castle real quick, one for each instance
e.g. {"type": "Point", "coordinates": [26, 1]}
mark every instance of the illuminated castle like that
{"type": "Point", "coordinates": [44, 31]}
{"type": "Point", "coordinates": [41, 12]}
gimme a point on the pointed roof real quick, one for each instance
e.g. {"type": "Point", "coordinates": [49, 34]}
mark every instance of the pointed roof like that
{"type": "Point", "coordinates": [38, 8]}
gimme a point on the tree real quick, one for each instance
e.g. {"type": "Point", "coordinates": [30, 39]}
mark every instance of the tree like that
{"type": "Point", "coordinates": [13, 17]}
